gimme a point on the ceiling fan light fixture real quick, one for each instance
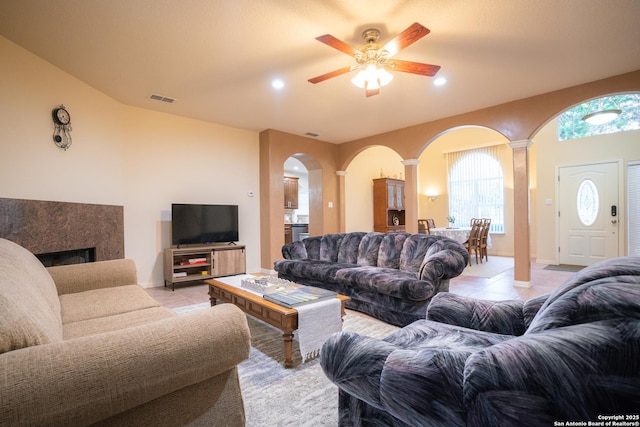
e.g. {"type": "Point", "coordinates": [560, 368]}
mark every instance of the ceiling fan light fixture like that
{"type": "Point", "coordinates": [372, 78]}
{"type": "Point", "coordinates": [374, 59]}
{"type": "Point", "coordinates": [359, 80]}
{"type": "Point", "coordinates": [601, 117]}
{"type": "Point", "coordinates": [384, 76]}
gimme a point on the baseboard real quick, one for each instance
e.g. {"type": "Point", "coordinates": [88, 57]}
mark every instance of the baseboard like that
{"type": "Point", "coordinates": [521, 284]}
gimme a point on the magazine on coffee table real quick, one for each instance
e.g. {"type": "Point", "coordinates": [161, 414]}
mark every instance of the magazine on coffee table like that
{"type": "Point", "coordinates": [298, 296]}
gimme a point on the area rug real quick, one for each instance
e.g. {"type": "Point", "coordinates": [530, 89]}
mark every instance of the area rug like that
{"type": "Point", "coordinates": [301, 396]}
{"type": "Point", "coordinates": [494, 266]}
{"type": "Point", "coordinates": [564, 267]}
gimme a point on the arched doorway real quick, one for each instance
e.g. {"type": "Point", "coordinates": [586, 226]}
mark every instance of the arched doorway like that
{"type": "Point", "coordinates": [555, 152]}
{"type": "Point", "coordinates": [296, 195]}
{"type": "Point", "coordinates": [433, 197]}
{"type": "Point", "coordinates": [372, 162]}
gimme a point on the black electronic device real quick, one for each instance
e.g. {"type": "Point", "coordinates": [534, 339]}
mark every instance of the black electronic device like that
{"type": "Point", "coordinates": [196, 224]}
{"type": "Point", "coordinates": [614, 210]}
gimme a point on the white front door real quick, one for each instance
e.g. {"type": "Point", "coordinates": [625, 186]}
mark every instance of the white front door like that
{"type": "Point", "coordinates": [588, 213]}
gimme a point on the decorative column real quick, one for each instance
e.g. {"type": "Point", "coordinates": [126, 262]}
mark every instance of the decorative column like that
{"type": "Point", "coordinates": [521, 242]}
{"type": "Point", "coordinates": [411, 195]}
{"type": "Point", "coordinates": [342, 215]}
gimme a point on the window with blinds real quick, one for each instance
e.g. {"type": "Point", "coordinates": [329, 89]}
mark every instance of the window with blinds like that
{"type": "Point", "coordinates": [476, 187]}
{"type": "Point", "coordinates": [633, 209]}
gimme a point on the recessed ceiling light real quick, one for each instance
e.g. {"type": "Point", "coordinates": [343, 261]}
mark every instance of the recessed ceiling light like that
{"type": "Point", "coordinates": [440, 81]}
{"type": "Point", "coordinates": [277, 84]}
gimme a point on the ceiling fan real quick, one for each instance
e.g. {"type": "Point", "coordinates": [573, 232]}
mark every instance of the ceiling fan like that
{"type": "Point", "coordinates": [373, 59]}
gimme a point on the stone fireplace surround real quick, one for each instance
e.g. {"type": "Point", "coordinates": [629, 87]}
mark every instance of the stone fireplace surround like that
{"type": "Point", "coordinates": [49, 229]}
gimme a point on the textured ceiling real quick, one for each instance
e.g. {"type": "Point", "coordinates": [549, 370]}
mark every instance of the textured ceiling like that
{"type": "Point", "coordinates": [217, 58]}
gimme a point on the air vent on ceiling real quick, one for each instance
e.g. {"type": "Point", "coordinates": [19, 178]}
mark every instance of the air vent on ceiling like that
{"type": "Point", "coordinates": [311, 134]}
{"type": "Point", "coordinates": [162, 98]}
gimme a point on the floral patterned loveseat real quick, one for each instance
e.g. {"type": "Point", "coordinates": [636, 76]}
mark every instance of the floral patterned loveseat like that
{"type": "Point", "coordinates": [389, 276]}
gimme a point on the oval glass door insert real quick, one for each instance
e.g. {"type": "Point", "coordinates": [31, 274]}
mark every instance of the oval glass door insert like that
{"type": "Point", "coordinates": [588, 202]}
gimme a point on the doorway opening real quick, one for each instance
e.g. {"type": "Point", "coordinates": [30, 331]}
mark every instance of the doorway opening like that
{"type": "Point", "coordinates": [296, 200]}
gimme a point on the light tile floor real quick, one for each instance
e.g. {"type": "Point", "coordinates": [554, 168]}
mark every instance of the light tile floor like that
{"type": "Point", "coordinates": [499, 287]}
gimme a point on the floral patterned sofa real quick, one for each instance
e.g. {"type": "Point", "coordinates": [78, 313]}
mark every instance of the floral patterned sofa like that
{"type": "Point", "coordinates": [573, 356]}
{"type": "Point", "coordinates": [389, 276]}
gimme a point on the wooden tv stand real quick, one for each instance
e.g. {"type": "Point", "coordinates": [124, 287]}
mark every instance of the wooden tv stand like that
{"type": "Point", "coordinates": [193, 263]}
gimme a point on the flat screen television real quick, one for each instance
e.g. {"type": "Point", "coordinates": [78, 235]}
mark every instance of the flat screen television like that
{"type": "Point", "coordinates": [193, 224]}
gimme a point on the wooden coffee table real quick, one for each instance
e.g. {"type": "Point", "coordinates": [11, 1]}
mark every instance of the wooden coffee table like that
{"type": "Point", "coordinates": [283, 318]}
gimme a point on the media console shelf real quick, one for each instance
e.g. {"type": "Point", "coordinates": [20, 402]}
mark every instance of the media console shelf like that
{"type": "Point", "coordinates": [202, 262]}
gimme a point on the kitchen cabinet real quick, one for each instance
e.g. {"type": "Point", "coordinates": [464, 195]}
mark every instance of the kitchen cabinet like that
{"type": "Point", "coordinates": [290, 192]}
{"type": "Point", "coordinates": [288, 235]}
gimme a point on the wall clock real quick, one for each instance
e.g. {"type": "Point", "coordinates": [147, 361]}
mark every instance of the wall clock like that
{"type": "Point", "coordinates": [61, 127]}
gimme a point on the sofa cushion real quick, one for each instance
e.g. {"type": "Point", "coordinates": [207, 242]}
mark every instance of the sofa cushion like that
{"type": "Point", "coordinates": [311, 269]}
{"type": "Point", "coordinates": [387, 281]}
{"type": "Point", "coordinates": [348, 251]}
{"type": "Point", "coordinates": [390, 250]}
{"type": "Point", "coordinates": [369, 248]}
{"type": "Point", "coordinates": [414, 249]}
{"type": "Point", "coordinates": [116, 322]}
{"type": "Point", "coordinates": [29, 303]}
{"type": "Point", "coordinates": [312, 245]}
{"type": "Point", "coordinates": [433, 355]}
{"type": "Point", "coordinates": [104, 302]}
{"type": "Point", "coordinates": [329, 246]}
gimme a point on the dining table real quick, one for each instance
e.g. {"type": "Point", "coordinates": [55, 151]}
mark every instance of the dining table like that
{"type": "Point", "coordinates": [460, 234]}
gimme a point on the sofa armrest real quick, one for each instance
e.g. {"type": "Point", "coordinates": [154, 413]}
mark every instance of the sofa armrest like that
{"type": "Point", "coordinates": [354, 363]}
{"type": "Point", "coordinates": [294, 250]}
{"type": "Point", "coordinates": [572, 373]}
{"type": "Point", "coordinates": [444, 260]}
{"type": "Point", "coordinates": [85, 380]}
{"type": "Point", "coordinates": [93, 275]}
{"type": "Point", "coordinates": [502, 317]}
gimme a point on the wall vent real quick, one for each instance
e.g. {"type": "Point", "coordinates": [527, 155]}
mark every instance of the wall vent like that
{"type": "Point", "coordinates": [161, 98]}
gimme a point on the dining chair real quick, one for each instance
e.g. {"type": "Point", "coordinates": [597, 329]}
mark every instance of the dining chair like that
{"type": "Point", "coordinates": [473, 242]}
{"type": "Point", "coordinates": [423, 226]}
{"type": "Point", "coordinates": [483, 237]}
{"type": "Point", "coordinates": [431, 223]}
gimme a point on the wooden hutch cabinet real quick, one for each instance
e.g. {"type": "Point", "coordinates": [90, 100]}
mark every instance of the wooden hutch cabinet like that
{"type": "Point", "coordinates": [388, 205]}
{"type": "Point", "coordinates": [290, 192]}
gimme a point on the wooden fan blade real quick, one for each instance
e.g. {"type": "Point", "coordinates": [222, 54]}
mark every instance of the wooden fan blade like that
{"type": "Point", "coordinates": [329, 40]}
{"type": "Point", "coordinates": [331, 74]}
{"type": "Point", "coordinates": [409, 36]}
{"type": "Point", "coordinates": [414, 67]}
{"type": "Point", "coordinates": [371, 92]}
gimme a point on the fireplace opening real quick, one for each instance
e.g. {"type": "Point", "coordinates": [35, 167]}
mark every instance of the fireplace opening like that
{"type": "Point", "coordinates": [74, 256]}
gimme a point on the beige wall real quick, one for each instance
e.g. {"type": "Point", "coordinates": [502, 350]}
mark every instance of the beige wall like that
{"type": "Point", "coordinates": [120, 155]}
{"type": "Point", "coordinates": [31, 165]}
{"type": "Point", "coordinates": [175, 159]}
